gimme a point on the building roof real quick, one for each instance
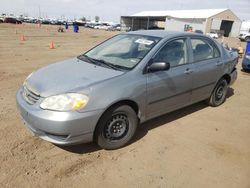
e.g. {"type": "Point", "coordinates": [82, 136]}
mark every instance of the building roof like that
{"type": "Point", "coordinates": [162, 33]}
{"type": "Point", "coordinates": [197, 13]}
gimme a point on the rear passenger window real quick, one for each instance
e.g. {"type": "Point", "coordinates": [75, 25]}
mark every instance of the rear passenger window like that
{"type": "Point", "coordinates": [203, 50]}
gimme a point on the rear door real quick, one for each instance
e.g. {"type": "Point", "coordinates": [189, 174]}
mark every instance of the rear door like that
{"type": "Point", "coordinates": [207, 62]}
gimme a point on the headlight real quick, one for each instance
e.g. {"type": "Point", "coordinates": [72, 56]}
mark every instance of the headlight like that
{"type": "Point", "coordinates": [65, 102]}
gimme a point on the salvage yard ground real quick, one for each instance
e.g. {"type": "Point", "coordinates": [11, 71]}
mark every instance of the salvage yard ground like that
{"type": "Point", "coordinates": [198, 146]}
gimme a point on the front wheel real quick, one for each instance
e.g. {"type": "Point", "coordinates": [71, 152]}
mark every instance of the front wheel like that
{"type": "Point", "coordinates": [219, 93]}
{"type": "Point", "coordinates": [116, 127]}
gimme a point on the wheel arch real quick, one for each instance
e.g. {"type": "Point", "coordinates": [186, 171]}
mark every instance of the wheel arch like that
{"type": "Point", "coordinates": [227, 78]}
{"type": "Point", "coordinates": [128, 102]}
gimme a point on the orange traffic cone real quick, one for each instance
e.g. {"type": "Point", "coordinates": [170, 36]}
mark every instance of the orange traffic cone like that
{"type": "Point", "coordinates": [22, 38]}
{"type": "Point", "coordinates": [52, 46]}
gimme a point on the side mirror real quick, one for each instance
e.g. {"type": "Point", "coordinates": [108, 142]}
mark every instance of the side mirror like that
{"type": "Point", "coordinates": [158, 66]}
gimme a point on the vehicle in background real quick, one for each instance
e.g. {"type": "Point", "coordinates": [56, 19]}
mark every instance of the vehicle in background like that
{"type": "Point", "coordinates": [198, 31]}
{"type": "Point", "coordinates": [103, 94]}
{"type": "Point", "coordinates": [246, 62]}
{"type": "Point", "coordinates": [11, 20]}
{"type": "Point", "coordinates": [90, 25]}
{"type": "Point", "coordinates": [57, 22]}
{"type": "Point", "coordinates": [244, 36]}
{"type": "Point", "coordinates": [103, 26]}
{"type": "Point", "coordinates": [1, 19]}
{"type": "Point", "coordinates": [97, 26]}
{"type": "Point", "coordinates": [213, 35]}
{"type": "Point", "coordinates": [30, 20]}
{"type": "Point", "coordinates": [44, 21]}
{"type": "Point", "coordinates": [80, 22]}
{"type": "Point", "coordinates": [116, 27]}
{"type": "Point", "coordinates": [126, 29]}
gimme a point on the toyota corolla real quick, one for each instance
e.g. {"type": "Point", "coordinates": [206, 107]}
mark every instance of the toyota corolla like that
{"type": "Point", "coordinates": [103, 94]}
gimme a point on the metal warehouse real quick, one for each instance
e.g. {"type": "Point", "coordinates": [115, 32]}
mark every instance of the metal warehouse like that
{"type": "Point", "coordinates": [222, 21]}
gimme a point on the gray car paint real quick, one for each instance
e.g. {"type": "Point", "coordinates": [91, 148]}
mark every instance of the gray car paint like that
{"type": "Point", "coordinates": [67, 76]}
{"type": "Point", "coordinates": [154, 93]}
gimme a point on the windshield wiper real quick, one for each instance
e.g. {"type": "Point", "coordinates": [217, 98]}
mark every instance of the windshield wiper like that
{"type": "Point", "coordinates": [102, 62]}
{"type": "Point", "coordinates": [85, 57]}
{"type": "Point", "coordinates": [107, 64]}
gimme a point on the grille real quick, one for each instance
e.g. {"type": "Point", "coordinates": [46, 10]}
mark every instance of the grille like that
{"type": "Point", "coordinates": [29, 95]}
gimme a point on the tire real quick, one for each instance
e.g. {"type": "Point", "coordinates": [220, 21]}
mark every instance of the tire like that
{"type": "Point", "coordinates": [247, 39]}
{"type": "Point", "coordinates": [219, 93]}
{"type": "Point", "coordinates": [116, 127]}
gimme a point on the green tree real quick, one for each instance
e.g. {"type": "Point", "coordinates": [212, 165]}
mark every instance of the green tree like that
{"type": "Point", "coordinates": [83, 19]}
{"type": "Point", "coordinates": [97, 18]}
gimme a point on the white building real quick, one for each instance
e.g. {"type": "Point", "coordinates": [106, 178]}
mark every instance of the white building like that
{"type": "Point", "coordinates": [220, 20]}
{"type": "Point", "coordinates": [245, 26]}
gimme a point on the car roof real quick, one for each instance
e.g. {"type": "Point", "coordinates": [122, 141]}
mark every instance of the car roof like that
{"type": "Point", "coordinates": [163, 33]}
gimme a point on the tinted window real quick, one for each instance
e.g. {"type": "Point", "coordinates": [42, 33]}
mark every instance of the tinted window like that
{"type": "Point", "coordinates": [174, 52]}
{"type": "Point", "coordinates": [203, 50]}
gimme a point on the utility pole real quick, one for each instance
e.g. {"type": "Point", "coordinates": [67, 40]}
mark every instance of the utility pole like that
{"type": "Point", "coordinates": [39, 11]}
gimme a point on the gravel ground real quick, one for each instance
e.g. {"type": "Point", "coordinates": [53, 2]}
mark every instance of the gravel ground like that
{"type": "Point", "coordinates": [198, 146]}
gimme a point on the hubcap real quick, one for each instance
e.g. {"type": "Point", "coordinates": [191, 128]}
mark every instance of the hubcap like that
{"type": "Point", "coordinates": [220, 92]}
{"type": "Point", "coordinates": [117, 127]}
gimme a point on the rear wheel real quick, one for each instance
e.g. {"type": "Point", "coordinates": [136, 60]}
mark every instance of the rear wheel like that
{"type": "Point", "coordinates": [116, 127]}
{"type": "Point", "coordinates": [219, 94]}
{"type": "Point", "coordinates": [247, 39]}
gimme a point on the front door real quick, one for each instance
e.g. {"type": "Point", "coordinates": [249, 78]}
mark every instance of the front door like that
{"type": "Point", "coordinates": [171, 89]}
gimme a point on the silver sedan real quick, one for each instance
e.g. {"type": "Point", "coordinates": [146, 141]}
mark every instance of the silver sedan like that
{"type": "Point", "coordinates": [103, 94]}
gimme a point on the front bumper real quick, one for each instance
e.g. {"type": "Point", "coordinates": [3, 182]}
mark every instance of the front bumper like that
{"type": "Point", "coordinates": [63, 128]}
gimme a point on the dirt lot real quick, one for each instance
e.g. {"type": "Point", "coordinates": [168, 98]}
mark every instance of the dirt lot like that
{"type": "Point", "coordinates": [198, 146]}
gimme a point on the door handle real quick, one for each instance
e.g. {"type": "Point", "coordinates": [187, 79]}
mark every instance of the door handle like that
{"type": "Point", "coordinates": [188, 71]}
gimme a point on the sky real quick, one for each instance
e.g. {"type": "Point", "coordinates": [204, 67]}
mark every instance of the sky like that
{"type": "Point", "coordinates": [112, 10]}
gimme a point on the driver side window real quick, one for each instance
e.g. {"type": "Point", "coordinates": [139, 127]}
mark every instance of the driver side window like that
{"type": "Point", "coordinates": [174, 52]}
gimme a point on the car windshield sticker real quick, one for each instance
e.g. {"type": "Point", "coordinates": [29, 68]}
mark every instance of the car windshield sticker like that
{"type": "Point", "coordinates": [144, 41]}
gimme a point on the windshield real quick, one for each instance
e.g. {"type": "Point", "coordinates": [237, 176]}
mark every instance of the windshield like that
{"type": "Point", "coordinates": [124, 51]}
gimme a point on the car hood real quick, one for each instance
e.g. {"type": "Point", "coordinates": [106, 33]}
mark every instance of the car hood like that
{"type": "Point", "coordinates": [68, 76]}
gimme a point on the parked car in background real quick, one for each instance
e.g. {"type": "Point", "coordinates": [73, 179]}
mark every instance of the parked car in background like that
{"type": "Point", "coordinates": [11, 20]}
{"type": "Point", "coordinates": [116, 27]}
{"type": "Point", "coordinates": [1, 19]}
{"type": "Point", "coordinates": [246, 62]}
{"type": "Point", "coordinates": [103, 94]}
{"type": "Point", "coordinates": [244, 36]}
{"type": "Point", "coordinates": [80, 22]}
{"type": "Point", "coordinates": [213, 35]}
{"type": "Point", "coordinates": [91, 25]}
{"type": "Point", "coordinates": [95, 25]}
{"type": "Point", "coordinates": [103, 26]}
{"type": "Point", "coordinates": [198, 31]}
